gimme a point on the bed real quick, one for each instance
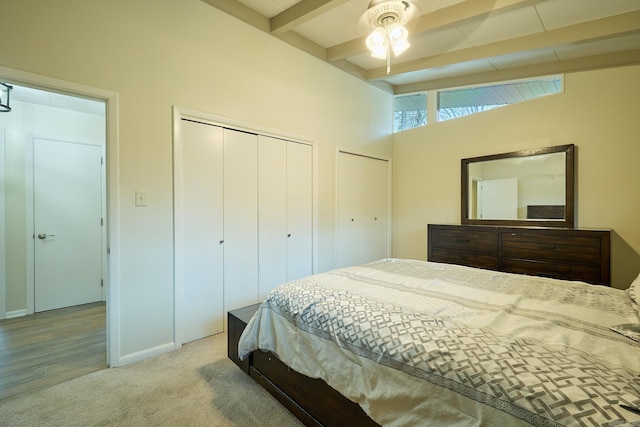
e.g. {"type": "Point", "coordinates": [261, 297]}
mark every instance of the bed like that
{"type": "Point", "coordinates": [425, 343]}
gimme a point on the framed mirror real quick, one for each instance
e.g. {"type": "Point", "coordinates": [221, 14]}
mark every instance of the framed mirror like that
{"type": "Point", "coordinates": [529, 187]}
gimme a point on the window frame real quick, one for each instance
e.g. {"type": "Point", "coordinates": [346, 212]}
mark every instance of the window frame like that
{"type": "Point", "coordinates": [433, 97]}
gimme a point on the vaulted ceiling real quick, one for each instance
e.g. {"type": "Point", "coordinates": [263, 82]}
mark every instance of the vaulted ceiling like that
{"type": "Point", "coordinates": [457, 42]}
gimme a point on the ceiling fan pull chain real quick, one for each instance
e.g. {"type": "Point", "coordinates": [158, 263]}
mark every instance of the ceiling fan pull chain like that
{"type": "Point", "coordinates": [388, 62]}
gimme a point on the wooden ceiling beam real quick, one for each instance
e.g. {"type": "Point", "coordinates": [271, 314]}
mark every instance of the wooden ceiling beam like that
{"type": "Point", "coordinates": [617, 59]}
{"type": "Point", "coordinates": [300, 13]}
{"type": "Point", "coordinates": [241, 12]}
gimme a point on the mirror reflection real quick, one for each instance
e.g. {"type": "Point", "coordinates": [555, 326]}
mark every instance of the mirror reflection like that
{"type": "Point", "coordinates": [528, 187]}
{"type": "Point", "coordinates": [518, 188]}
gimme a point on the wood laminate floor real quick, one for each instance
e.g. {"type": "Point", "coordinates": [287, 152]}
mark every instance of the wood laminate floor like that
{"type": "Point", "coordinates": [48, 348]}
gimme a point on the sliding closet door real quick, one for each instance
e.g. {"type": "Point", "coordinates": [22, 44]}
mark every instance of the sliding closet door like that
{"type": "Point", "coordinates": [272, 202]}
{"type": "Point", "coordinates": [240, 219]}
{"type": "Point", "coordinates": [201, 221]}
{"type": "Point", "coordinates": [299, 210]}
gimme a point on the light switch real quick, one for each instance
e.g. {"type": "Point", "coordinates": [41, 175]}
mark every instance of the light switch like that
{"type": "Point", "coordinates": [141, 198]}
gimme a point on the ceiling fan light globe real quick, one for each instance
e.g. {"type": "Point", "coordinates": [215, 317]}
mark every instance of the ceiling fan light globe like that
{"type": "Point", "coordinates": [380, 53]}
{"type": "Point", "coordinates": [378, 37]}
{"type": "Point", "coordinates": [399, 46]}
{"type": "Point", "coordinates": [397, 32]}
{"type": "Point", "coordinates": [377, 43]}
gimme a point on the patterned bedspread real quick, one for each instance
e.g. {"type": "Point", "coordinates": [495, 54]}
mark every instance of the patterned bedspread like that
{"type": "Point", "coordinates": [419, 343]}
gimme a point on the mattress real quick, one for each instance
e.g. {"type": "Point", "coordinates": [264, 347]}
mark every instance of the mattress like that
{"type": "Point", "coordinates": [422, 343]}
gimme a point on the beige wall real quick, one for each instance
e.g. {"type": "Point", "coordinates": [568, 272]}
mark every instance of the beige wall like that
{"type": "Point", "coordinates": [598, 112]}
{"type": "Point", "coordinates": [160, 53]}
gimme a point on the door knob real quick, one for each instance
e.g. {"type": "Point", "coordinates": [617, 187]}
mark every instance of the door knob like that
{"type": "Point", "coordinates": [44, 236]}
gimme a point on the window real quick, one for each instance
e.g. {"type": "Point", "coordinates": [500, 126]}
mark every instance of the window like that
{"type": "Point", "coordinates": [456, 103]}
{"type": "Point", "coordinates": [409, 111]}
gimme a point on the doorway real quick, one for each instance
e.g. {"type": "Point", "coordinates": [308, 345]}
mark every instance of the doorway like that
{"type": "Point", "coordinates": [54, 168]}
{"type": "Point", "coordinates": [55, 179]}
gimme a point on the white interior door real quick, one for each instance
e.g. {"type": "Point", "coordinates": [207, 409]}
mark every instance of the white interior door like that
{"type": "Point", "coordinates": [363, 199]}
{"type": "Point", "coordinates": [67, 224]}
{"type": "Point", "coordinates": [200, 248]}
{"type": "Point", "coordinates": [499, 198]}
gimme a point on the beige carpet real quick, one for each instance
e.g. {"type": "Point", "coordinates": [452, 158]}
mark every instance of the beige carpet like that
{"type": "Point", "coordinates": [195, 386]}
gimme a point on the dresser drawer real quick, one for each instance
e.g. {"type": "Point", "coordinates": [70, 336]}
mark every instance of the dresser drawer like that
{"type": "Point", "coordinates": [549, 247]}
{"type": "Point", "coordinates": [469, 259]}
{"type": "Point", "coordinates": [584, 273]}
{"type": "Point", "coordinates": [478, 242]}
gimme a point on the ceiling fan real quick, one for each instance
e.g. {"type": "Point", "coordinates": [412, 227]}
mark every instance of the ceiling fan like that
{"type": "Point", "coordinates": [389, 19]}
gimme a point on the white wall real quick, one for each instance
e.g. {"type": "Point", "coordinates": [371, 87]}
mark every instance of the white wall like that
{"type": "Point", "coordinates": [160, 53]}
{"type": "Point", "coordinates": [598, 113]}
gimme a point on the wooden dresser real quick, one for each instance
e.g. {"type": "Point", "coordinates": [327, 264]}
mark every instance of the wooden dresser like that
{"type": "Point", "coordinates": [561, 253]}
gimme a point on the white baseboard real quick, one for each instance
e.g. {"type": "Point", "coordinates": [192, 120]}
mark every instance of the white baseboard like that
{"type": "Point", "coordinates": [16, 313]}
{"type": "Point", "coordinates": [144, 354]}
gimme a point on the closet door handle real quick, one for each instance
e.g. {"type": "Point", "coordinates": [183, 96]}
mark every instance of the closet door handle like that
{"type": "Point", "coordinates": [221, 242]}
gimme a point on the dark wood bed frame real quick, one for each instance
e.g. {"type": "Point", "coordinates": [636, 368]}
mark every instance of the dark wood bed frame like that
{"type": "Point", "coordinates": [560, 253]}
{"type": "Point", "coordinates": [312, 401]}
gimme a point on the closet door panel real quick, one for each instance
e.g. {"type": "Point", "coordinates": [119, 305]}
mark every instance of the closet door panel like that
{"type": "Point", "coordinates": [376, 202]}
{"type": "Point", "coordinates": [201, 222]}
{"type": "Point", "coordinates": [363, 199]}
{"type": "Point", "coordinates": [272, 205]}
{"type": "Point", "coordinates": [299, 210]}
{"type": "Point", "coordinates": [240, 219]}
{"type": "Point", "coordinates": [350, 208]}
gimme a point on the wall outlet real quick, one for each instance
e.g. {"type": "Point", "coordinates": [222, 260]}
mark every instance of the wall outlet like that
{"type": "Point", "coordinates": [141, 198]}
